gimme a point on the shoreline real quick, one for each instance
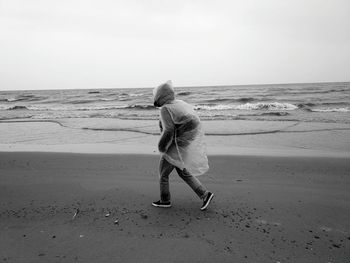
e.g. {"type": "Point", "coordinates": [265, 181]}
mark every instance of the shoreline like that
{"type": "Point", "coordinates": [114, 136]}
{"type": "Point", "coordinates": [110, 149]}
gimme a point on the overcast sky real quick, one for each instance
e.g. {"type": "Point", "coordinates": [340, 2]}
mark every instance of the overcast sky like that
{"type": "Point", "coordinates": [140, 43]}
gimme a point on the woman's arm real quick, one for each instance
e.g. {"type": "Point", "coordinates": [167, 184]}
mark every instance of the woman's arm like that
{"type": "Point", "coordinates": [160, 126]}
{"type": "Point", "coordinates": [168, 130]}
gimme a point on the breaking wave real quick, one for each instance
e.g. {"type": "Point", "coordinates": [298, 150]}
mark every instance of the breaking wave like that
{"type": "Point", "coordinates": [23, 98]}
{"type": "Point", "coordinates": [346, 109]}
{"type": "Point", "coordinates": [249, 106]}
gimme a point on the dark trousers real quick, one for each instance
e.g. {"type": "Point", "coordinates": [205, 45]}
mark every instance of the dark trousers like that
{"type": "Point", "coordinates": [165, 168]}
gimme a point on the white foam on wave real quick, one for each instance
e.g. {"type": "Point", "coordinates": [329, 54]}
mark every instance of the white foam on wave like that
{"type": "Point", "coordinates": [4, 107]}
{"type": "Point", "coordinates": [250, 106]}
{"type": "Point", "coordinates": [214, 107]}
{"type": "Point", "coordinates": [107, 99]}
{"type": "Point", "coordinates": [11, 99]}
{"type": "Point", "coordinates": [267, 106]}
{"type": "Point", "coordinates": [346, 109]}
{"type": "Point", "coordinates": [136, 94]}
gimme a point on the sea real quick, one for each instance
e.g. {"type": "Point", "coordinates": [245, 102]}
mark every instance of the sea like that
{"type": "Point", "coordinates": [310, 102]}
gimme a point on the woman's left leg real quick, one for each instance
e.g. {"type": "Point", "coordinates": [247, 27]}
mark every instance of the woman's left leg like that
{"type": "Point", "coordinates": [193, 182]}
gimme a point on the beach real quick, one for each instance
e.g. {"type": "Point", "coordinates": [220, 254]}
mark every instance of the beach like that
{"type": "Point", "coordinates": [84, 195]}
{"type": "Point", "coordinates": [79, 171]}
{"type": "Point", "coordinates": [102, 102]}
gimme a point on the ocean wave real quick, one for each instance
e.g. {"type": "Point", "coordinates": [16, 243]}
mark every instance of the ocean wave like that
{"type": "Point", "coordinates": [184, 93]}
{"type": "Point", "coordinates": [80, 101]}
{"type": "Point", "coordinates": [246, 100]}
{"type": "Point", "coordinates": [135, 94]}
{"type": "Point", "coordinates": [24, 98]}
{"type": "Point", "coordinates": [91, 101]}
{"type": "Point", "coordinates": [217, 100]}
{"type": "Point", "coordinates": [92, 108]}
{"type": "Point", "coordinates": [116, 107]}
{"type": "Point", "coordinates": [124, 99]}
{"type": "Point", "coordinates": [11, 99]}
{"type": "Point", "coordinates": [306, 105]}
{"type": "Point", "coordinates": [142, 106]}
{"type": "Point", "coordinates": [277, 113]}
{"type": "Point", "coordinates": [59, 108]}
{"type": "Point", "coordinates": [108, 99]}
{"type": "Point", "coordinates": [267, 106]}
{"type": "Point", "coordinates": [249, 106]}
{"type": "Point", "coordinates": [131, 94]}
{"type": "Point", "coordinates": [17, 108]}
{"type": "Point", "coordinates": [214, 107]}
{"type": "Point", "coordinates": [82, 108]}
{"type": "Point", "coordinates": [346, 109]}
{"type": "Point", "coordinates": [314, 91]}
{"type": "Point", "coordinates": [258, 114]}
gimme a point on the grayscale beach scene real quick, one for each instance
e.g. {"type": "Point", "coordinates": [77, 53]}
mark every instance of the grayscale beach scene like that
{"type": "Point", "coordinates": [85, 142]}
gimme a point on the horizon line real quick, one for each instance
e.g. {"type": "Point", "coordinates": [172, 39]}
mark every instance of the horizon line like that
{"type": "Point", "coordinates": [186, 86]}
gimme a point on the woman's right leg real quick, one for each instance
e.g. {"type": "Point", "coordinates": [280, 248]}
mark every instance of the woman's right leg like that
{"type": "Point", "coordinates": [165, 168]}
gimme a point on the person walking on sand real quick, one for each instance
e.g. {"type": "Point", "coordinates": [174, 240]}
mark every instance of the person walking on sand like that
{"type": "Point", "coordinates": [181, 145]}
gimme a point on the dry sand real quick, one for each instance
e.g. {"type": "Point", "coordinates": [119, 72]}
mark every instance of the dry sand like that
{"type": "Point", "coordinates": [265, 209]}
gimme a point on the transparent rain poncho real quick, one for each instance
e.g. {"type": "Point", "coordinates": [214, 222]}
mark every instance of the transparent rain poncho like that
{"type": "Point", "coordinates": [182, 138]}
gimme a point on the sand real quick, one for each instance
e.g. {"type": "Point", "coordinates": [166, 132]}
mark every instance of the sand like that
{"type": "Point", "coordinates": [266, 208]}
{"type": "Point", "coordinates": [282, 193]}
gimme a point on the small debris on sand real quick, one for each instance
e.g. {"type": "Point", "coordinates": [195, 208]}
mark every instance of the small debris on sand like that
{"type": "Point", "coordinates": [76, 213]}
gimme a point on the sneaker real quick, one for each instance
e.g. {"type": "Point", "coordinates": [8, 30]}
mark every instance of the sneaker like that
{"type": "Point", "coordinates": [162, 204]}
{"type": "Point", "coordinates": [207, 200]}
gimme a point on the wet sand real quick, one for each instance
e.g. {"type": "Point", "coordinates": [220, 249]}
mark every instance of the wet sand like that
{"type": "Point", "coordinates": [265, 209]}
{"type": "Point", "coordinates": [268, 138]}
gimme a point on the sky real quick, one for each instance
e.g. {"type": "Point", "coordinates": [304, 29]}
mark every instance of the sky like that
{"type": "Point", "coordinates": [47, 44]}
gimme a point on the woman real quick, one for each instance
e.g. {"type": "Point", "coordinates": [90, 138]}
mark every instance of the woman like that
{"type": "Point", "coordinates": [181, 145]}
